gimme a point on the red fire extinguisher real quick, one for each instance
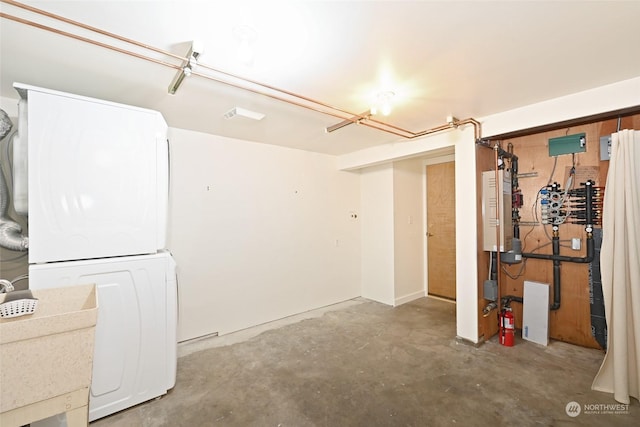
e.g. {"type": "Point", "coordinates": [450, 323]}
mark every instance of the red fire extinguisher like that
{"type": "Point", "coordinates": [507, 327]}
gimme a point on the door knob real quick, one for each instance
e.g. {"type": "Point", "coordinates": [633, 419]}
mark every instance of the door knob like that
{"type": "Point", "coordinates": [429, 234]}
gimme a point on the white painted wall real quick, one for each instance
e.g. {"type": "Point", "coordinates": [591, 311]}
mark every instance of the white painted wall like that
{"type": "Point", "coordinates": [466, 239]}
{"type": "Point", "coordinates": [259, 232]}
{"type": "Point", "coordinates": [408, 223]}
{"type": "Point", "coordinates": [376, 217]}
{"type": "Point", "coordinates": [10, 106]}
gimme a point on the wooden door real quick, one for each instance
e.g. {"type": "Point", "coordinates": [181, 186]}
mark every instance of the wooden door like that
{"type": "Point", "coordinates": [441, 230]}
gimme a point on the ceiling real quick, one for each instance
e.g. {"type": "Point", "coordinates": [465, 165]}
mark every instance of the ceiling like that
{"type": "Point", "coordinates": [467, 59]}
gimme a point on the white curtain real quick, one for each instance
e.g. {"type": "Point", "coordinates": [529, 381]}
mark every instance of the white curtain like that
{"type": "Point", "coordinates": [620, 268]}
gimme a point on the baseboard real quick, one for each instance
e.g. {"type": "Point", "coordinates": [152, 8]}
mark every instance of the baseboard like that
{"type": "Point", "coordinates": [408, 298]}
{"type": "Point", "coordinates": [451, 301]}
{"type": "Point", "coordinates": [465, 341]}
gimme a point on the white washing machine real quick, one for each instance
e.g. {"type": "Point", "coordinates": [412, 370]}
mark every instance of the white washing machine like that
{"type": "Point", "coordinates": [136, 343]}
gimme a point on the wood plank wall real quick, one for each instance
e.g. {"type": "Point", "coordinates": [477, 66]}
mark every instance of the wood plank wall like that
{"type": "Point", "coordinates": [571, 323]}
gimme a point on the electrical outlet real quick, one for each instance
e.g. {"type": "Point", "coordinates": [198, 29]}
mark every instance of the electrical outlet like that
{"type": "Point", "coordinates": [575, 243]}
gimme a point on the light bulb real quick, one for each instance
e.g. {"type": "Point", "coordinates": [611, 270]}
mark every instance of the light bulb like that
{"type": "Point", "coordinates": [382, 103]}
{"type": "Point", "coordinates": [245, 35]}
{"type": "Point", "coordinates": [245, 53]}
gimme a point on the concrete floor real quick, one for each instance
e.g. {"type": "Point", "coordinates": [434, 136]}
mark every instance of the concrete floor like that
{"type": "Point", "coordinates": [367, 364]}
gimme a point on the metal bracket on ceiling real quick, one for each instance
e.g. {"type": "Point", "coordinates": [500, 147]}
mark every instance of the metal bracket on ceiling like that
{"type": "Point", "coordinates": [194, 52]}
{"type": "Point", "coordinates": [355, 119]}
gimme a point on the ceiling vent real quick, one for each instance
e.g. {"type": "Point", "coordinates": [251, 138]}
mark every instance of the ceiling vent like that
{"type": "Point", "coordinates": [237, 111]}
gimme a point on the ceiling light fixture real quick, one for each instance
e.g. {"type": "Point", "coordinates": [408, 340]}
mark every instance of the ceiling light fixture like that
{"type": "Point", "coordinates": [243, 112]}
{"type": "Point", "coordinates": [382, 103]}
{"type": "Point", "coordinates": [194, 53]}
{"type": "Point", "coordinates": [245, 35]}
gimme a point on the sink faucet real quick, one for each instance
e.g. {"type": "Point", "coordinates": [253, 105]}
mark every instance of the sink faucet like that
{"type": "Point", "coordinates": [5, 286]}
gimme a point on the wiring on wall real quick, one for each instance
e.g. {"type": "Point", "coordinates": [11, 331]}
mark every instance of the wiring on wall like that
{"type": "Point", "coordinates": [554, 200]}
{"type": "Point", "coordinates": [521, 270]}
{"type": "Point", "coordinates": [587, 197]}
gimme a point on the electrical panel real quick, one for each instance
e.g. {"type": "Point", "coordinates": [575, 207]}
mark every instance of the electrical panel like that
{"type": "Point", "coordinates": [535, 312]}
{"type": "Point", "coordinates": [490, 290]}
{"type": "Point", "coordinates": [605, 147]}
{"type": "Point", "coordinates": [496, 214]}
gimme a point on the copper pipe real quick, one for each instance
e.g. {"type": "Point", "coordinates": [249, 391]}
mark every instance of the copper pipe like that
{"type": "Point", "coordinates": [477, 127]}
{"type": "Point", "coordinates": [157, 50]}
{"type": "Point", "coordinates": [206, 76]}
{"type": "Point", "coordinates": [266, 86]}
{"type": "Point", "coordinates": [86, 40]}
{"type": "Point", "coordinates": [355, 118]}
{"type": "Point", "coordinates": [90, 28]}
{"type": "Point", "coordinates": [498, 219]}
{"type": "Point", "coordinates": [178, 67]}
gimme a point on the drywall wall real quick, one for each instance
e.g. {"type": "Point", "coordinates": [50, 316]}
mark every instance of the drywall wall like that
{"type": "Point", "coordinates": [408, 225]}
{"type": "Point", "coordinates": [376, 216]}
{"type": "Point", "coordinates": [466, 238]}
{"type": "Point", "coordinates": [438, 144]}
{"type": "Point", "coordinates": [10, 106]}
{"type": "Point", "coordinates": [259, 232]}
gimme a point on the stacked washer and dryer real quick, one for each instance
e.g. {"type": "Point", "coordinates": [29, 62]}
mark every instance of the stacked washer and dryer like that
{"type": "Point", "coordinates": [92, 177]}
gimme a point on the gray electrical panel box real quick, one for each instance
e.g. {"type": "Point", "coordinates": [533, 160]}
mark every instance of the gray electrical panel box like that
{"type": "Point", "coordinates": [605, 147]}
{"type": "Point", "coordinates": [490, 290]}
{"type": "Point", "coordinates": [496, 214]}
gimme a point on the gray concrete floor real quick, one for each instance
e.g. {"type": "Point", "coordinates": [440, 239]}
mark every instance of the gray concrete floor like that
{"type": "Point", "coordinates": [367, 364]}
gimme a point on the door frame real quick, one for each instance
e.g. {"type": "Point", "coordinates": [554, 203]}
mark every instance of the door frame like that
{"type": "Point", "coordinates": [427, 162]}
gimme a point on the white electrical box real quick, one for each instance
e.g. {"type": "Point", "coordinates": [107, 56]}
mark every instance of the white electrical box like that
{"type": "Point", "coordinates": [535, 312]}
{"type": "Point", "coordinates": [496, 214]}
